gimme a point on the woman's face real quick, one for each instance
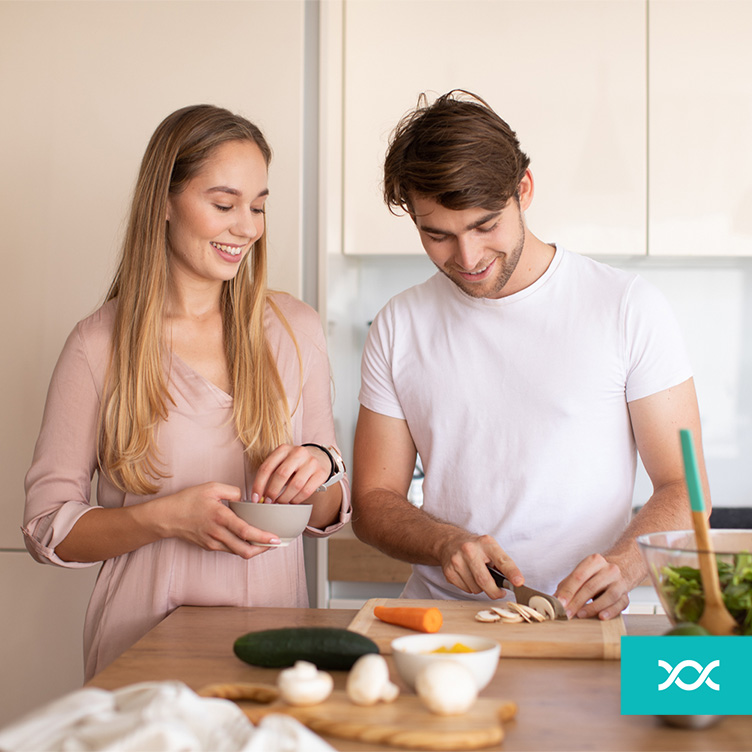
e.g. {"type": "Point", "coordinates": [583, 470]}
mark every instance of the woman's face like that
{"type": "Point", "coordinates": [214, 221]}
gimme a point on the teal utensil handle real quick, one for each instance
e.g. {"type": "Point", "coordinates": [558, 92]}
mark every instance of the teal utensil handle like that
{"type": "Point", "coordinates": [691, 472]}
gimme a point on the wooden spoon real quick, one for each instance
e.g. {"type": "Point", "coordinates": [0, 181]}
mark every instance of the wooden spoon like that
{"type": "Point", "coordinates": [715, 616]}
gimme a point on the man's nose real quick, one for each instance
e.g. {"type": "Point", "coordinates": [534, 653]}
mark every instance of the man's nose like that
{"type": "Point", "coordinates": [469, 252]}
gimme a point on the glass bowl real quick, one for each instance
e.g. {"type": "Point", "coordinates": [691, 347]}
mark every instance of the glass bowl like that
{"type": "Point", "coordinates": [673, 564]}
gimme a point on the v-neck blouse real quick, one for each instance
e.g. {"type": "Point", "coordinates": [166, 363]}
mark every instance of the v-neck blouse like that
{"type": "Point", "coordinates": [198, 444]}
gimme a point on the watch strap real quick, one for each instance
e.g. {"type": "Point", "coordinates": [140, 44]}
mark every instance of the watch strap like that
{"type": "Point", "coordinates": [338, 469]}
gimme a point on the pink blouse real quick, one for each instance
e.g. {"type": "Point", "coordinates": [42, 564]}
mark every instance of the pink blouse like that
{"type": "Point", "coordinates": [197, 442]}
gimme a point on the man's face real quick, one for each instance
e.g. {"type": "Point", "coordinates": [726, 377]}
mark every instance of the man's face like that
{"type": "Point", "coordinates": [478, 249]}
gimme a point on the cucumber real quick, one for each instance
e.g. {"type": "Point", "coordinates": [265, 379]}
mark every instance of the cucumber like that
{"type": "Point", "coordinates": [328, 648]}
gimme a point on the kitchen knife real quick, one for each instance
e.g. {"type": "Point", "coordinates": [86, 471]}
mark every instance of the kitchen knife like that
{"type": "Point", "coordinates": [523, 594]}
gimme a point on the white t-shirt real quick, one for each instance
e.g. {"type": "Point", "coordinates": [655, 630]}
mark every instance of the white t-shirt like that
{"type": "Point", "coordinates": [518, 407]}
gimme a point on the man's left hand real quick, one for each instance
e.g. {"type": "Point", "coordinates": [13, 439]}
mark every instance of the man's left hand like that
{"type": "Point", "coordinates": [596, 587]}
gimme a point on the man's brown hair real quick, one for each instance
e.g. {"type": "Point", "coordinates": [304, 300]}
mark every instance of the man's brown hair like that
{"type": "Point", "coordinates": [456, 151]}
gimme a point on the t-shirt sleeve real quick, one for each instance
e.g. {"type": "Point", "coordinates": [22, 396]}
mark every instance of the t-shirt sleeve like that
{"type": "Point", "coordinates": [377, 391]}
{"type": "Point", "coordinates": [58, 483]}
{"type": "Point", "coordinates": [656, 355]}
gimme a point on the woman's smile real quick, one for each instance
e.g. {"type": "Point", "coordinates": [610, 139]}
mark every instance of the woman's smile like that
{"type": "Point", "coordinates": [233, 251]}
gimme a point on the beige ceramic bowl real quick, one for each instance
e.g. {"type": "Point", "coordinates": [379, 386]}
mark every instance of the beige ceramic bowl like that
{"type": "Point", "coordinates": [412, 652]}
{"type": "Point", "coordinates": [286, 521]}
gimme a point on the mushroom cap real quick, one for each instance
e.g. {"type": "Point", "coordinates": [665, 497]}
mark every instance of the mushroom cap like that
{"type": "Point", "coordinates": [368, 679]}
{"type": "Point", "coordinates": [446, 688]}
{"type": "Point", "coordinates": [304, 684]}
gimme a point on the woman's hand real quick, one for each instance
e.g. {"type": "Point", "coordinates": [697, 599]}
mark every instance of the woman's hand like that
{"type": "Point", "coordinates": [290, 474]}
{"type": "Point", "coordinates": [197, 515]}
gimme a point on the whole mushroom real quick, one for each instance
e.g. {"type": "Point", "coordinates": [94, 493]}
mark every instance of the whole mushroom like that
{"type": "Point", "coordinates": [368, 681]}
{"type": "Point", "coordinates": [304, 684]}
{"type": "Point", "coordinates": [446, 688]}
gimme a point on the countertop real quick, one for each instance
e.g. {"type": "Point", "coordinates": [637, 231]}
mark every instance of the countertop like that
{"type": "Point", "coordinates": [563, 704]}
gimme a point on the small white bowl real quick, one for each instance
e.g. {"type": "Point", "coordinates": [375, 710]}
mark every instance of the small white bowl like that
{"type": "Point", "coordinates": [412, 652]}
{"type": "Point", "coordinates": [286, 521]}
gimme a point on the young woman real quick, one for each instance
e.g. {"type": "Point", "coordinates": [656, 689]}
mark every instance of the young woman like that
{"type": "Point", "coordinates": [192, 385]}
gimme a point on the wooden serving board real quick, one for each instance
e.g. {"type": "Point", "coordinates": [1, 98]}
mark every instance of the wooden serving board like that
{"type": "Point", "coordinates": [576, 638]}
{"type": "Point", "coordinates": [404, 723]}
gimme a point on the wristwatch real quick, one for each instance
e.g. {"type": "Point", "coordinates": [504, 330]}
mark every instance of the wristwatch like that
{"type": "Point", "coordinates": [338, 465]}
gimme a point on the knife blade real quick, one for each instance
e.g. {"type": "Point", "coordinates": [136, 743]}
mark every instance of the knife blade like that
{"type": "Point", "coordinates": [523, 594]}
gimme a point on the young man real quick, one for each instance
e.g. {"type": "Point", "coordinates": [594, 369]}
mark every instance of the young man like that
{"type": "Point", "coordinates": [526, 377]}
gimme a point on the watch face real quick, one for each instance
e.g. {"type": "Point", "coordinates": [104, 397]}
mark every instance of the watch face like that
{"type": "Point", "coordinates": [338, 461]}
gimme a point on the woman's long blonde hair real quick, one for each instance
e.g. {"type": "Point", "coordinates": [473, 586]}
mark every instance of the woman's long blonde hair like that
{"type": "Point", "coordinates": [136, 393]}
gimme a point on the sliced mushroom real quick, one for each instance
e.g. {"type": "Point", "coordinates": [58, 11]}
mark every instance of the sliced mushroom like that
{"type": "Point", "coordinates": [488, 616]}
{"type": "Point", "coordinates": [506, 615]}
{"type": "Point", "coordinates": [518, 609]}
{"type": "Point", "coordinates": [542, 606]}
{"type": "Point", "coordinates": [530, 613]}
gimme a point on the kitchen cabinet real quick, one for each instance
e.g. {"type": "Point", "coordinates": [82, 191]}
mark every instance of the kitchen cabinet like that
{"type": "Point", "coordinates": [568, 76]}
{"type": "Point", "coordinates": [700, 118]}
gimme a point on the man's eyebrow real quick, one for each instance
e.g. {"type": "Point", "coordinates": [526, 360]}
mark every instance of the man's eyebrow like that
{"type": "Point", "coordinates": [473, 226]}
{"type": "Point", "coordinates": [233, 191]}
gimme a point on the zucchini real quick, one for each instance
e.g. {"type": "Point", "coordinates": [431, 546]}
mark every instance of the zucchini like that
{"type": "Point", "coordinates": [326, 647]}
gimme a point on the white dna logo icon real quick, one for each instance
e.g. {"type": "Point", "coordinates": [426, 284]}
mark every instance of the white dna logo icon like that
{"type": "Point", "coordinates": [703, 678]}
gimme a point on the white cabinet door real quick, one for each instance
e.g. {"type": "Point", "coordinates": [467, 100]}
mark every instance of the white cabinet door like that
{"type": "Point", "coordinates": [567, 75]}
{"type": "Point", "coordinates": [700, 106]}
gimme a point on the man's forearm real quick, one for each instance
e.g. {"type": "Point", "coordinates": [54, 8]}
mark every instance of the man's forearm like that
{"type": "Point", "coordinates": [667, 509]}
{"type": "Point", "coordinates": [388, 521]}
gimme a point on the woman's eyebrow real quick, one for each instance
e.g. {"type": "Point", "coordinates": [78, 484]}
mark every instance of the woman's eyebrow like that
{"type": "Point", "coordinates": [233, 191]}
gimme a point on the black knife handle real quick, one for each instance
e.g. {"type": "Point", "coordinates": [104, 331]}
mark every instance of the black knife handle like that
{"type": "Point", "coordinates": [499, 578]}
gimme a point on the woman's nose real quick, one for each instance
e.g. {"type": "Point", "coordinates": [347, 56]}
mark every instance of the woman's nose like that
{"type": "Point", "coordinates": [249, 225]}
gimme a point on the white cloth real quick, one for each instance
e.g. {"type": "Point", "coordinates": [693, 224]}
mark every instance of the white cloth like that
{"type": "Point", "coordinates": [518, 407]}
{"type": "Point", "coordinates": [159, 716]}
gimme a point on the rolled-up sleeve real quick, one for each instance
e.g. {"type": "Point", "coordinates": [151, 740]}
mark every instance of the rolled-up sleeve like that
{"type": "Point", "coordinates": [58, 483]}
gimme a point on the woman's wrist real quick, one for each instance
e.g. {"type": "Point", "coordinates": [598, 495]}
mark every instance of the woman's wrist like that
{"type": "Point", "coordinates": [337, 464]}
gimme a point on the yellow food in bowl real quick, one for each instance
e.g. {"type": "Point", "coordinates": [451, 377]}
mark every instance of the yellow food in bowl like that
{"type": "Point", "coordinates": [458, 647]}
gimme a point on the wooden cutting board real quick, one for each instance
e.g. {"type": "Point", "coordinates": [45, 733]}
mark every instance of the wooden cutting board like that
{"type": "Point", "coordinates": [404, 723]}
{"type": "Point", "coordinates": [577, 638]}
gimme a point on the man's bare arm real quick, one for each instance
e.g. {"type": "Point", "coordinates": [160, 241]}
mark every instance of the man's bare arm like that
{"type": "Point", "coordinates": [383, 465]}
{"type": "Point", "coordinates": [608, 577]}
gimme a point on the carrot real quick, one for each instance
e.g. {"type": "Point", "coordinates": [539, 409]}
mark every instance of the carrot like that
{"type": "Point", "coordinates": [419, 619]}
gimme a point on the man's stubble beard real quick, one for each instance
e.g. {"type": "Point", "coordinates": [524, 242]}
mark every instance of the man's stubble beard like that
{"type": "Point", "coordinates": [511, 261]}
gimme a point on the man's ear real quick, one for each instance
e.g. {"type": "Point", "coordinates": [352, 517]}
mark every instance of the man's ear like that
{"type": "Point", "coordinates": [526, 189]}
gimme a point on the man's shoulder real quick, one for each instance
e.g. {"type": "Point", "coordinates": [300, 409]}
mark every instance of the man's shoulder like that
{"type": "Point", "coordinates": [597, 273]}
{"type": "Point", "coordinates": [422, 296]}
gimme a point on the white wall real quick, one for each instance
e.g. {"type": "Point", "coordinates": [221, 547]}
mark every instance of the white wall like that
{"type": "Point", "coordinates": [83, 85]}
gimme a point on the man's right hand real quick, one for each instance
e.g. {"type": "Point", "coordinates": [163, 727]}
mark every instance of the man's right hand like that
{"type": "Point", "coordinates": [464, 559]}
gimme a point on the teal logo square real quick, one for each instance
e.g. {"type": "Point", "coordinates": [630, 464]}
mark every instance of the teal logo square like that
{"type": "Point", "coordinates": [684, 675]}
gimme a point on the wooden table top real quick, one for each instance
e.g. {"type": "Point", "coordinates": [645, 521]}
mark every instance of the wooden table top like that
{"type": "Point", "coordinates": [563, 704]}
